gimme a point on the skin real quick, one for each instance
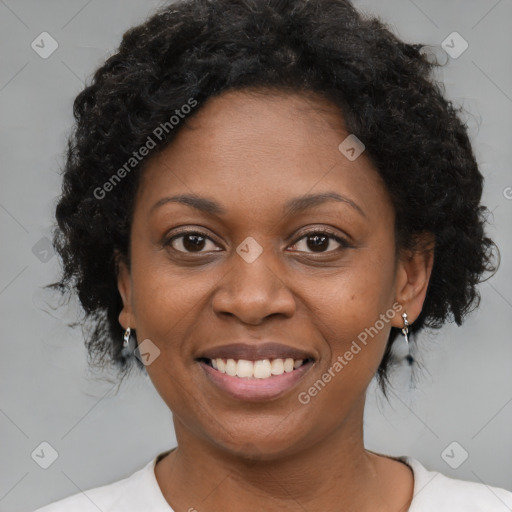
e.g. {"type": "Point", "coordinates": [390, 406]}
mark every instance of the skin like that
{"type": "Point", "coordinates": [251, 153]}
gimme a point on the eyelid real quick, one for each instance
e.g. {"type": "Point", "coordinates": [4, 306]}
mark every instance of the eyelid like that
{"type": "Point", "coordinates": [311, 231]}
{"type": "Point", "coordinates": [343, 241]}
{"type": "Point", "coordinates": [167, 239]}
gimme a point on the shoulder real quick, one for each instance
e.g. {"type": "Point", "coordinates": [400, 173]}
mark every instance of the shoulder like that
{"type": "Point", "coordinates": [98, 498]}
{"type": "Point", "coordinates": [436, 492]}
{"type": "Point", "coordinates": [136, 492]}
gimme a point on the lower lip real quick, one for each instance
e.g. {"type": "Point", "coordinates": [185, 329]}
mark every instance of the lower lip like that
{"type": "Point", "coordinates": [253, 389]}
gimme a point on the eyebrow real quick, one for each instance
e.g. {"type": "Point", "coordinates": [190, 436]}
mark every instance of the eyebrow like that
{"type": "Point", "coordinates": [298, 204]}
{"type": "Point", "coordinates": [291, 207]}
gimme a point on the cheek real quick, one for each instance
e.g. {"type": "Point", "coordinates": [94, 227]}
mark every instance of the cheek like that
{"type": "Point", "coordinates": [358, 308]}
{"type": "Point", "coordinates": [355, 324]}
{"type": "Point", "coordinates": [165, 301]}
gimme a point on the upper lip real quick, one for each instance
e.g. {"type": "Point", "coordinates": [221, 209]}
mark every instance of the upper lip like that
{"type": "Point", "coordinates": [267, 350]}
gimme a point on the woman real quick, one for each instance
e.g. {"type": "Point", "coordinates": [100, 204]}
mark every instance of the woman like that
{"type": "Point", "coordinates": [260, 200]}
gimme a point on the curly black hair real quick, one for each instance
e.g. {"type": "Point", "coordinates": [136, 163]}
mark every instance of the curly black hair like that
{"type": "Point", "coordinates": [190, 51]}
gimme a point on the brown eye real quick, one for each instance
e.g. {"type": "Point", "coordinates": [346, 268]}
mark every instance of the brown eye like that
{"type": "Point", "coordinates": [319, 241]}
{"type": "Point", "coordinates": [189, 242]}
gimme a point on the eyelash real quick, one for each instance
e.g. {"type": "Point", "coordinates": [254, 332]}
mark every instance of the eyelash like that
{"type": "Point", "coordinates": [319, 231]}
{"type": "Point", "coordinates": [325, 231]}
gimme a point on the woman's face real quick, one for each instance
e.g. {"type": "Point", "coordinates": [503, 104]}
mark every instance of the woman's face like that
{"type": "Point", "coordinates": [254, 276]}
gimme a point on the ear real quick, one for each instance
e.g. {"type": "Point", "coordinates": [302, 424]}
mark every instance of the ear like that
{"type": "Point", "coordinates": [124, 285]}
{"type": "Point", "coordinates": [414, 269]}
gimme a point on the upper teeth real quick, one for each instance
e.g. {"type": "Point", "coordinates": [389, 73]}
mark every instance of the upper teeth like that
{"type": "Point", "coordinates": [262, 369]}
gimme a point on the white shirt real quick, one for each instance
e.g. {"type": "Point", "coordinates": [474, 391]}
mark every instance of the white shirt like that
{"type": "Point", "coordinates": [433, 492]}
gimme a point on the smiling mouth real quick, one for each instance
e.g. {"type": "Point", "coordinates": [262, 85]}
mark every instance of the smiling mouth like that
{"type": "Point", "coordinates": [260, 369]}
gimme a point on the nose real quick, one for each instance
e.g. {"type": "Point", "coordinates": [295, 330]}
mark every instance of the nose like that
{"type": "Point", "coordinates": [253, 291]}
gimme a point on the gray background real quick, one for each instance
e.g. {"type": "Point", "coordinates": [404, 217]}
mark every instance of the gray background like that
{"type": "Point", "coordinates": [464, 393]}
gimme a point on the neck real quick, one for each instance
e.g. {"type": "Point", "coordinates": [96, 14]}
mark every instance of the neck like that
{"type": "Point", "coordinates": [335, 473]}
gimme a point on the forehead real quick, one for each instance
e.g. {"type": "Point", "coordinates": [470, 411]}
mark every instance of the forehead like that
{"type": "Point", "coordinates": [256, 149]}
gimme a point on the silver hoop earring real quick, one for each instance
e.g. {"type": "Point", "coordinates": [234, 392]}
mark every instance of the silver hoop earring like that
{"type": "Point", "coordinates": [126, 338]}
{"type": "Point", "coordinates": [405, 329]}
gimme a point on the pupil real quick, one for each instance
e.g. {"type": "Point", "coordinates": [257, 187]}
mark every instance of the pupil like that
{"type": "Point", "coordinates": [319, 240]}
{"type": "Point", "coordinates": [196, 245]}
{"type": "Point", "coordinates": [315, 242]}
